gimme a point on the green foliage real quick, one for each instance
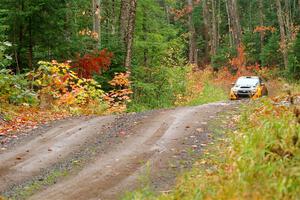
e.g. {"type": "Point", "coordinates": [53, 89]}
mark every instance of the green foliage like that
{"type": "Point", "coordinates": [251, 42]}
{"type": "Point", "coordinates": [271, 55]}
{"type": "Point", "coordinates": [15, 89]}
{"type": "Point", "coordinates": [58, 80]}
{"type": "Point", "coordinates": [294, 60]}
{"type": "Point", "coordinates": [221, 57]}
{"type": "Point", "coordinates": [145, 193]}
{"type": "Point", "coordinates": [210, 93]}
{"type": "Point", "coordinates": [49, 27]}
{"type": "Point", "coordinates": [155, 37]}
{"type": "Point", "coordinates": [157, 87]}
{"type": "Point", "coordinates": [5, 60]}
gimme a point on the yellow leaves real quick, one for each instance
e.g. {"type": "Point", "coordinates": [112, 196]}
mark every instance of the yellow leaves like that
{"type": "Point", "coordinates": [54, 70]}
{"type": "Point", "coordinates": [38, 82]}
{"type": "Point", "coordinates": [64, 85]}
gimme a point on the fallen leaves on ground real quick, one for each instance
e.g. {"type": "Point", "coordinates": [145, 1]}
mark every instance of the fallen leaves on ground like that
{"type": "Point", "coordinates": [28, 119]}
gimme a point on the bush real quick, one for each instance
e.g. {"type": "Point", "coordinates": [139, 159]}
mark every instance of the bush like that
{"type": "Point", "coordinates": [65, 87]}
{"type": "Point", "coordinates": [5, 60]}
{"type": "Point", "coordinates": [120, 94]}
{"type": "Point", "coordinates": [94, 63]}
{"type": "Point", "coordinates": [15, 89]}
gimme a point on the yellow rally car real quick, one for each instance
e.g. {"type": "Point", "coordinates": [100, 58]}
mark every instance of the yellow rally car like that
{"type": "Point", "coordinates": [248, 87]}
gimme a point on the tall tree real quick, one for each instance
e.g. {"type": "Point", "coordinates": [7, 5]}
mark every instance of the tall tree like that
{"type": "Point", "coordinates": [214, 30]}
{"type": "Point", "coordinates": [261, 22]}
{"type": "Point", "coordinates": [207, 27]}
{"type": "Point", "coordinates": [192, 35]}
{"type": "Point", "coordinates": [283, 36]}
{"type": "Point", "coordinates": [234, 21]}
{"type": "Point", "coordinates": [97, 20]}
{"type": "Point", "coordinates": [124, 19]}
{"type": "Point", "coordinates": [130, 33]}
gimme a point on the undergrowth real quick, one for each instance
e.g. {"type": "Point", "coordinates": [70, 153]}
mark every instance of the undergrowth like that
{"type": "Point", "coordinates": [210, 93]}
{"type": "Point", "coordinates": [163, 87]}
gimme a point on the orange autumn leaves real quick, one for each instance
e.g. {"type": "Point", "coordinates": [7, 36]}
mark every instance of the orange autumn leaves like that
{"type": "Point", "coordinates": [63, 93]}
{"type": "Point", "coordinates": [120, 95]}
{"type": "Point", "coordinates": [28, 119]}
{"type": "Point", "coordinates": [179, 13]}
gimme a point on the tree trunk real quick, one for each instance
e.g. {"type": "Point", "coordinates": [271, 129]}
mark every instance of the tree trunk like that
{"type": "Point", "coordinates": [96, 21]}
{"type": "Point", "coordinates": [282, 34]}
{"type": "Point", "coordinates": [229, 25]}
{"type": "Point", "coordinates": [130, 33]}
{"type": "Point", "coordinates": [113, 21]}
{"type": "Point", "coordinates": [235, 22]}
{"type": "Point", "coordinates": [145, 31]}
{"type": "Point", "coordinates": [192, 34]}
{"type": "Point", "coordinates": [124, 19]}
{"type": "Point", "coordinates": [288, 19]}
{"type": "Point", "coordinates": [261, 23]}
{"type": "Point", "coordinates": [207, 29]}
{"type": "Point", "coordinates": [30, 46]}
{"type": "Point", "coordinates": [214, 33]}
{"type": "Point", "coordinates": [19, 30]}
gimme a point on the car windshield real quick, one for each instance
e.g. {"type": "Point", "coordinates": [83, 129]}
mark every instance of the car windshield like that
{"type": "Point", "coordinates": [247, 82]}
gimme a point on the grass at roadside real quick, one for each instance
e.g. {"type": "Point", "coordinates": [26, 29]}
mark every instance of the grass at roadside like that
{"type": "Point", "coordinates": [210, 93]}
{"type": "Point", "coordinates": [260, 161]}
{"type": "Point", "coordinates": [30, 189]}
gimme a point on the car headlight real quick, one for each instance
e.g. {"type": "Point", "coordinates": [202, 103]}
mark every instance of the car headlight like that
{"type": "Point", "coordinates": [253, 91]}
{"type": "Point", "coordinates": [234, 90]}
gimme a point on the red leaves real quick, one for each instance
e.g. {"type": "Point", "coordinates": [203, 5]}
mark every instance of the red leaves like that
{"type": "Point", "coordinates": [96, 62]}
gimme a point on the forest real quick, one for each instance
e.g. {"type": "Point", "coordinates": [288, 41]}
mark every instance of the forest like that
{"type": "Point", "coordinates": [60, 59]}
{"type": "Point", "coordinates": [153, 40]}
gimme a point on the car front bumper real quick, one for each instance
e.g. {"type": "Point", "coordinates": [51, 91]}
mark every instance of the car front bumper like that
{"type": "Point", "coordinates": [241, 94]}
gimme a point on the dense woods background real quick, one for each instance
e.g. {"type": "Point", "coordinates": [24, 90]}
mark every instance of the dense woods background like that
{"type": "Point", "coordinates": [142, 33]}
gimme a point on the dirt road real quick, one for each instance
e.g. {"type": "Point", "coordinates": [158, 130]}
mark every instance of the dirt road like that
{"type": "Point", "coordinates": [103, 157]}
